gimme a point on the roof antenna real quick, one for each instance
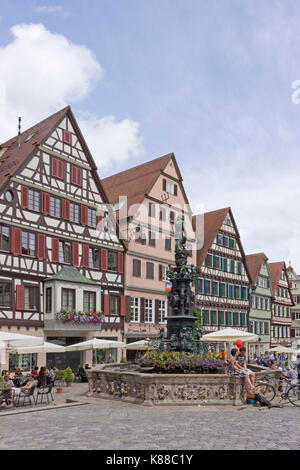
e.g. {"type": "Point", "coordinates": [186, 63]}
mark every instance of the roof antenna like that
{"type": "Point", "coordinates": [19, 132]}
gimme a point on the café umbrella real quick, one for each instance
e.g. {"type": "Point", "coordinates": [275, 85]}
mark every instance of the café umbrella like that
{"type": "Point", "coordinates": [43, 348]}
{"type": "Point", "coordinates": [95, 343]}
{"type": "Point", "coordinates": [229, 335]}
{"type": "Point", "coordinates": [141, 345]}
{"type": "Point", "coordinates": [12, 340]}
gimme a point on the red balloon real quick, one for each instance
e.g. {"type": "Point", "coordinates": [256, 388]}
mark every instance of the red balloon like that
{"type": "Point", "coordinates": [239, 343]}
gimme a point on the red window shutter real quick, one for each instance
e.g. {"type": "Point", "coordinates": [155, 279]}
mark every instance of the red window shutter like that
{"type": "Point", "coordinates": [175, 189]}
{"type": "Point", "coordinates": [79, 174]}
{"type": "Point", "coordinates": [54, 165]}
{"type": "Point", "coordinates": [106, 304]}
{"type": "Point", "coordinates": [55, 250]}
{"type": "Point", "coordinates": [85, 256]}
{"type": "Point", "coordinates": [75, 254]}
{"type": "Point", "coordinates": [59, 169]}
{"type": "Point", "coordinates": [104, 259]}
{"type": "Point", "coordinates": [123, 306]}
{"type": "Point", "coordinates": [84, 215]}
{"type": "Point", "coordinates": [120, 263]}
{"type": "Point", "coordinates": [41, 251]}
{"type": "Point", "coordinates": [20, 297]}
{"type": "Point", "coordinates": [99, 221]}
{"type": "Point", "coordinates": [160, 272]}
{"type": "Point", "coordinates": [67, 137]}
{"type": "Point", "coordinates": [24, 197]}
{"type": "Point", "coordinates": [73, 175]}
{"type": "Point", "coordinates": [45, 203]}
{"type": "Point", "coordinates": [65, 209]}
{"type": "Point", "coordinates": [164, 184]}
{"type": "Point", "coordinates": [16, 241]}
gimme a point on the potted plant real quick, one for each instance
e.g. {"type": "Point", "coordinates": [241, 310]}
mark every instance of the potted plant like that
{"type": "Point", "coordinates": [68, 376]}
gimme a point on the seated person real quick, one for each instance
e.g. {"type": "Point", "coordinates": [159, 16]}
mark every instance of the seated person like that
{"type": "Point", "coordinates": [242, 362]}
{"type": "Point", "coordinates": [290, 374]}
{"type": "Point", "coordinates": [18, 378]}
{"type": "Point", "coordinates": [235, 369]}
{"type": "Point", "coordinates": [32, 383]}
{"type": "Point", "coordinates": [82, 374]}
{"type": "Point", "coordinates": [35, 371]}
{"type": "Point", "coordinates": [6, 395]}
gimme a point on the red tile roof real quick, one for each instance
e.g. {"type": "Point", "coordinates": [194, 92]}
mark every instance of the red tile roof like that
{"type": "Point", "coordinates": [275, 271]}
{"type": "Point", "coordinates": [15, 155]}
{"type": "Point", "coordinates": [135, 182]}
{"type": "Point", "coordinates": [254, 264]}
{"type": "Point", "coordinates": [212, 223]}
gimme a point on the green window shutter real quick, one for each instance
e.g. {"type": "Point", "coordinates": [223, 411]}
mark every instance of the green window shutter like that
{"type": "Point", "coordinates": [206, 260]}
{"type": "Point", "coordinates": [204, 286]}
{"type": "Point", "coordinates": [211, 317]}
{"type": "Point", "coordinates": [226, 318]}
{"type": "Point", "coordinates": [241, 319]}
{"type": "Point", "coordinates": [214, 261]}
{"type": "Point", "coordinates": [239, 267]}
{"type": "Point", "coordinates": [225, 264]}
{"type": "Point", "coordinates": [220, 289]}
{"type": "Point", "coordinates": [232, 266]}
{"type": "Point", "coordinates": [224, 240]}
{"type": "Point", "coordinates": [219, 317]}
{"type": "Point", "coordinates": [197, 285]}
{"type": "Point", "coordinates": [234, 318]}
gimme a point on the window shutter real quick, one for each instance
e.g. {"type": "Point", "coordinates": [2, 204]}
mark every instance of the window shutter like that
{"type": "Point", "coordinates": [75, 254]}
{"type": "Point", "coordinates": [106, 304]}
{"type": "Point", "coordinates": [160, 272]}
{"type": "Point", "coordinates": [175, 189]}
{"type": "Point", "coordinates": [128, 308]}
{"type": "Point", "coordinates": [59, 169]}
{"type": "Point", "coordinates": [164, 184]}
{"type": "Point", "coordinates": [41, 248]}
{"type": "Point", "coordinates": [16, 241]}
{"type": "Point", "coordinates": [45, 203]}
{"type": "Point", "coordinates": [84, 215]}
{"type": "Point", "coordinates": [55, 250]}
{"type": "Point", "coordinates": [65, 209]}
{"type": "Point", "coordinates": [120, 263]}
{"type": "Point", "coordinates": [67, 137]}
{"type": "Point", "coordinates": [142, 309]}
{"type": "Point", "coordinates": [20, 297]}
{"type": "Point", "coordinates": [85, 256]}
{"type": "Point", "coordinates": [99, 220]}
{"type": "Point", "coordinates": [54, 167]}
{"type": "Point", "coordinates": [156, 311]}
{"type": "Point", "coordinates": [103, 259]}
{"type": "Point", "coordinates": [73, 174]}
{"type": "Point", "coordinates": [24, 197]}
{"type": "Point", "coordinates": [123, 306]}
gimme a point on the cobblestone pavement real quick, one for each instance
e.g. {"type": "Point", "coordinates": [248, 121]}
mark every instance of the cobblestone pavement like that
{"type": "Point", "coordinates": [103, 424]}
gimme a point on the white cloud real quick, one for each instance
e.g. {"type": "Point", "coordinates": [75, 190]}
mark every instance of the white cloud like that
{"type": "Point", "coordinates": [40, 73]}
{"type": "Point", "coordinates": [49, 9]}
{"type": "Point", "coordinates": [111, 142]}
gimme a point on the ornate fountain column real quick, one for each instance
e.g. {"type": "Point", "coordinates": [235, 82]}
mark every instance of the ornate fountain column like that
{"type": "Point", "coordinates": [181, 323]}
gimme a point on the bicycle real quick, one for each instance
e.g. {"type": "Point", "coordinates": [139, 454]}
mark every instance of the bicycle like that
{"type": "Point", "coordinates": [291, 391]}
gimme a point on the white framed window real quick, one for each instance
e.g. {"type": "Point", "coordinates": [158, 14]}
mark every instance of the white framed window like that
{"type": "Point", "coordinates": [170, 187]}
{"type": "Point", "coordinates": [33, 200]}
{"type": "Point", "coordinates": [164, 272]}
{"type": "Point", "coordinates": [162, 311]}
{"type": "Point", "coordinates": [135, 309]}
{"type": "Point", "coordinates": [297, 332]}
{"type": "Point", "coordinates": [149, 311]}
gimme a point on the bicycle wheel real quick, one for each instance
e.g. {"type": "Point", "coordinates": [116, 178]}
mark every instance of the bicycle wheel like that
{"type": "Point", "coordinates": [265, 390]}
{"type": "Point", "coordinates": [294, 395]}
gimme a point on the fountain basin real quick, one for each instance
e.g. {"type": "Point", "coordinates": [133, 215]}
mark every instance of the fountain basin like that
{"type": "Point", "coordinates": [120, 382]}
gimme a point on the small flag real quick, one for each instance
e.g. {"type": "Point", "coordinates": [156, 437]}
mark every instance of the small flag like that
{"type": "Point", "coordinates": [168, 286]}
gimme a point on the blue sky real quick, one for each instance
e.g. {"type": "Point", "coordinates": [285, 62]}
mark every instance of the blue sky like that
{"type": "Point", "coordinates": [209, 81]}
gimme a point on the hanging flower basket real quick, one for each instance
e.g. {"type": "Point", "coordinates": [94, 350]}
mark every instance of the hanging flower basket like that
{"type": "Point", "coordinates": [71, 316]}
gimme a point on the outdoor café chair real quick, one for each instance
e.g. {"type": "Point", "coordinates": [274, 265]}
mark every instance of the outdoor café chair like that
{"type": "Point", "coordinates": [44, 391]}
{"type": "Point", "coordinates": [25, 395]}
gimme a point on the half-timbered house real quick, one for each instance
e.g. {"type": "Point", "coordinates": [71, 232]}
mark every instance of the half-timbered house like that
{"type": "Point", "coordinates": [147, 199]}
{"type": "Point", "coordinates": [59, 246]}
{"type": "Point", "coordinates": [222, 287]}
{"type": "Point", "coordinates": [261, 296]}
{"type": "Point", "coordinates": [281, 320]}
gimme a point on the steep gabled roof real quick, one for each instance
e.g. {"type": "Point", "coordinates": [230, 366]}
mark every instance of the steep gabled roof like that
{"type": "Point", "coordinates": [275, 271]}
{"type": "Point", "coordinates": [254, 263]}
{"type": "Point", "coordinates": [15, 154]}
{"type": "Point", "coordinates": [212, 223]}
{"type": "Point", "coordinates": [135, 182]}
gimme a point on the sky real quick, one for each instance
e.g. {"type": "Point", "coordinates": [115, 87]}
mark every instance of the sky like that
{"type": "Point", "coordinates": [214, 82]}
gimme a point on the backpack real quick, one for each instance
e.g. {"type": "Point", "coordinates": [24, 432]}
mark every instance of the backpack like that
{"type": "Point", "coordinates": [262, 401]}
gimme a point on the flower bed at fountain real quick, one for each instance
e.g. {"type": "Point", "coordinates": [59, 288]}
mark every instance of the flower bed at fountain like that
{"type": "Point", "coordinates": [181, 363]}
